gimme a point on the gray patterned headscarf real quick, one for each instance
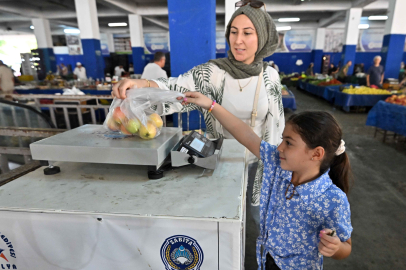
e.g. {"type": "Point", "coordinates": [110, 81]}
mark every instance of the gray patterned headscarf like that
{"type": "Point", "coordinates": [267, 44]}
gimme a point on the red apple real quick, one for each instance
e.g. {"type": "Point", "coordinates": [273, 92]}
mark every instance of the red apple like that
{"type": "Point", "coordinates": [119, 116]}
{"type": "Point", "coordinates": [112, 125]}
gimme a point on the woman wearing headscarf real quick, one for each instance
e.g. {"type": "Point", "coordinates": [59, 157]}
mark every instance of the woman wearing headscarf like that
{"type": "Point", "coordinates": [233, 82]}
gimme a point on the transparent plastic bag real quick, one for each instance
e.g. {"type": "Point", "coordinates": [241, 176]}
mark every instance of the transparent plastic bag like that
{"type": "Point", "coordinates": [134, 116]}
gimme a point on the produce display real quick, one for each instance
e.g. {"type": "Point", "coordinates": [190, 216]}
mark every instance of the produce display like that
{"type": "Point", "coordinates": [399, 100]}
{"type": "Point", "coordinates": [135, 114]}
{"type": "Point", "coordinates": [364, 90]}
{"type": "Point", "coordinates": [330, 82]}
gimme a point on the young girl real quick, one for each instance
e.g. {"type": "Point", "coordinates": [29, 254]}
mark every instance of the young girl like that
{"type": "Point", "coordinates": [304, 211]}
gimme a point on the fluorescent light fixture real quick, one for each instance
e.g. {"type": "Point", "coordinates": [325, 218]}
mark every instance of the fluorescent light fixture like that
{"type": "Point", "coordinates": [117, 24]}
{"type": "Point", "coordinates": [378, 18]}
{"type": "Point", "coordinates": [32, 26]}
{"type": "Point", "coordinates": [283, 28]}
{"type": "Point", "coordinates": [288, 19]}
{"type": "Point", "coordinates": [71, 31]}
{"type": "Point", "coordinates": [363, 26]}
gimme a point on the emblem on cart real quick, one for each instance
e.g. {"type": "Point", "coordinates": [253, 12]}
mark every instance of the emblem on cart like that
{"type": "Point", "coordinates": [6, 254]}
{"type": "Point", "coordinates": [180, 252]}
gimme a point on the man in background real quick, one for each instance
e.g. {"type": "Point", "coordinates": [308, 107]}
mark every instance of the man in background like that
{"type": "Point", "coordinates": [154, 70]}
{"type": "Point", "coordinates": [6, 79]}
{"type": "Point", "coordinates": [118, 70]}
{"type": "Point", "coordinates": [375, 73]}
{"type": "Point", "coordinates": [80, 71]}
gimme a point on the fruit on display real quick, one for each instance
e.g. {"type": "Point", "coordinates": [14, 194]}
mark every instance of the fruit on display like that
{"type": "Point", "coordinates": [119, 116]}
{"type": "Point", "coordinates": [399, 100]}
{"type": "Point", "coordinates": [133, 125]}
{"type": "Point", "coordinates": [156, 120]}
{"type": "Point", "coordinates": [329, 83]}
{"type": "Point", "coordinates": [148, 132]}
{"type": "Point", "coordinates": [364, 90]}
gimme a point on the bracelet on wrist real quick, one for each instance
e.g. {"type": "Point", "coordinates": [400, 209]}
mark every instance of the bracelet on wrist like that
{"type": "Point", "coordinates": [212, 106]}
{"type": "Point", "coordinates": [149, 83]}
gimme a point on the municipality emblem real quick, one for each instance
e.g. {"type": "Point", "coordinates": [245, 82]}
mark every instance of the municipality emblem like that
{"type": "Point", "coordinates": [180, 252]}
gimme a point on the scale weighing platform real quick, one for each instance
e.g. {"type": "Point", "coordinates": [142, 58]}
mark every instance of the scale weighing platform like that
{"type": "Point", "coordinates": [95, 144]}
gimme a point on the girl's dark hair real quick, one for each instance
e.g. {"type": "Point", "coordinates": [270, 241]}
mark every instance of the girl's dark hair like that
{"type": "Point", "coordinates": [318, 128]}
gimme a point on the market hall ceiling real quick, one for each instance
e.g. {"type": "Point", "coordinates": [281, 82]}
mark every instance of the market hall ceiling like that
{"type": "Point", "coordinates": [16, 15]}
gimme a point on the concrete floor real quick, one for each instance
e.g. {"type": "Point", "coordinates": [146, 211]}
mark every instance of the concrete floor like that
{"type": "Point", "coordinates": [378, 198]}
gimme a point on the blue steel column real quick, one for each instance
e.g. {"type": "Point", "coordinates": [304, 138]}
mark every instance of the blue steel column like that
{"type": "Point", "coordinates": [42, 33]}
{"type": "Point", "coordinates": [93, 61]}
{"type": "Point", "coordinates": [192, 26]}
{"type": "Point", "coordinates": [351, 37]}
{"type": "Point", "coordinates": [394, 38]}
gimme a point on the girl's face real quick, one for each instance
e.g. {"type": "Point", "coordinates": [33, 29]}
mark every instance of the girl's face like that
{"type": "Point", "coordinates": [293, 151]}
{"type": "Point", "coordinates": [243, 39]}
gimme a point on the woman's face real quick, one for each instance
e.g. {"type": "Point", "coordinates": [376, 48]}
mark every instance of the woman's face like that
{"type": "Point", "coordinates": [243, 39]}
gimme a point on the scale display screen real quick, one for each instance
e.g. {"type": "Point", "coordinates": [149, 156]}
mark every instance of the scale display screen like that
{"type": "Point", "coordinates": [197, 144]}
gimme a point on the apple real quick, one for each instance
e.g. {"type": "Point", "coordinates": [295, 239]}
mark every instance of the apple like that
{"type": "Point", "coordinates": [118, 115]}
{"type": "Point", "coordinates": [133, 125]}
{"type": "Point", "coordinates": [124, 131]}
{"type": "Point", "coordinates": [112, 125]}
{"type": "Point", "coordinates": [156, 120]}
{"type": "Point", "coordinates": [148, 132]}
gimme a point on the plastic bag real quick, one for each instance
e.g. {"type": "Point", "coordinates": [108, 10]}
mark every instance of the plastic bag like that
{"type": "Point", "coordinates": [134, 116]}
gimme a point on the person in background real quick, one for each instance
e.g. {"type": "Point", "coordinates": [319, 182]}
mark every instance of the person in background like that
{"type": "Point", "coordinates": [344, 71]}
{"type": "Point", "coordinates": [6, 79]}
{"type": "Point", "coordinates": [359, 68]}
{"type": "Point", "coordinates": [402, 73]}
{"type": "Point", "coordinates": [64, 70]}
{"type": "Point", "coordinates": [131, 69]}
{"type": "Point", "coordinates": [80, 72]}
{"type": "Point", "coordinates": [309, 70]}
{"type": "Point", "coordinates": [332, 71]}
{"type": "Point", "coordinates": [275, 66]}
{"type": "Point", "coordinates": [154, 70]}
{"type": "Point", "coordinates": [118, 70]}
{"type": "Point", "coordinates": [375, 73]}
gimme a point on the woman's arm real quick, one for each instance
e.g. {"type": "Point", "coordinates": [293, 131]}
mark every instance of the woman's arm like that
{"type": "Point", "coordinates": [120, 88]}
{"type": "Point", "coordinates": [241, 131]}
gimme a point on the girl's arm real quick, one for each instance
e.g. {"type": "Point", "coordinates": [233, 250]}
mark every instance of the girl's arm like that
{"type": "Point", "coordinates": [333, 247]}
{"type": "Point", "coordinates": [241, 131]}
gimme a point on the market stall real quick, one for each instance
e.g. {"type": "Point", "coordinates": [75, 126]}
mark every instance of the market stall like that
{"type": "Point", "coordinates": [60, 91]}
{"type": "Point", "coordinates": [388, 117]}
{"type": "Point", "coordinates": [362, 96]}
{"type": "Point", "coordinates": [288, 99]}
{"type": "Point", "coordinates": [99, 215]}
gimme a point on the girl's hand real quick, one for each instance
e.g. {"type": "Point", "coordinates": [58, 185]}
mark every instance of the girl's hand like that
{"type": "Point", "coordinates": [196, 98]}
{"type": "Point", "coordinates": [328, 245]}
{"type": "Point", "coordinates": [120, 88]}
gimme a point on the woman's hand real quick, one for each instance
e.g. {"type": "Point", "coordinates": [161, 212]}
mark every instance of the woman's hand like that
{"type": "Point", "coordinates": [328, 245]}
{"type": "Point", "coordinates": [120, 88]}
{"type": "Point", "coordinates": [196, 98]}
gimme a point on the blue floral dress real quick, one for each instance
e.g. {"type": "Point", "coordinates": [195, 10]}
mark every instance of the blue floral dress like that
{"type": "Point", "coordinates": [289, 229]}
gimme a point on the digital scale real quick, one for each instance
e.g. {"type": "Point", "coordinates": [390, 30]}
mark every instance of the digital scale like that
{"type": "Point", "coordinates": [95, 144]}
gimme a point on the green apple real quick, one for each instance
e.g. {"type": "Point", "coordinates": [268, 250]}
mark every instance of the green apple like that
{"type": "Point", "coordinates": [133, 125]}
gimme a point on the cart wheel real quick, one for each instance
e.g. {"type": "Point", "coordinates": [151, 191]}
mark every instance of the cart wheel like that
{"type": "Point", "coordinates": [52, 170]}
{"type": "Point", "coordinates": [155, 174]}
